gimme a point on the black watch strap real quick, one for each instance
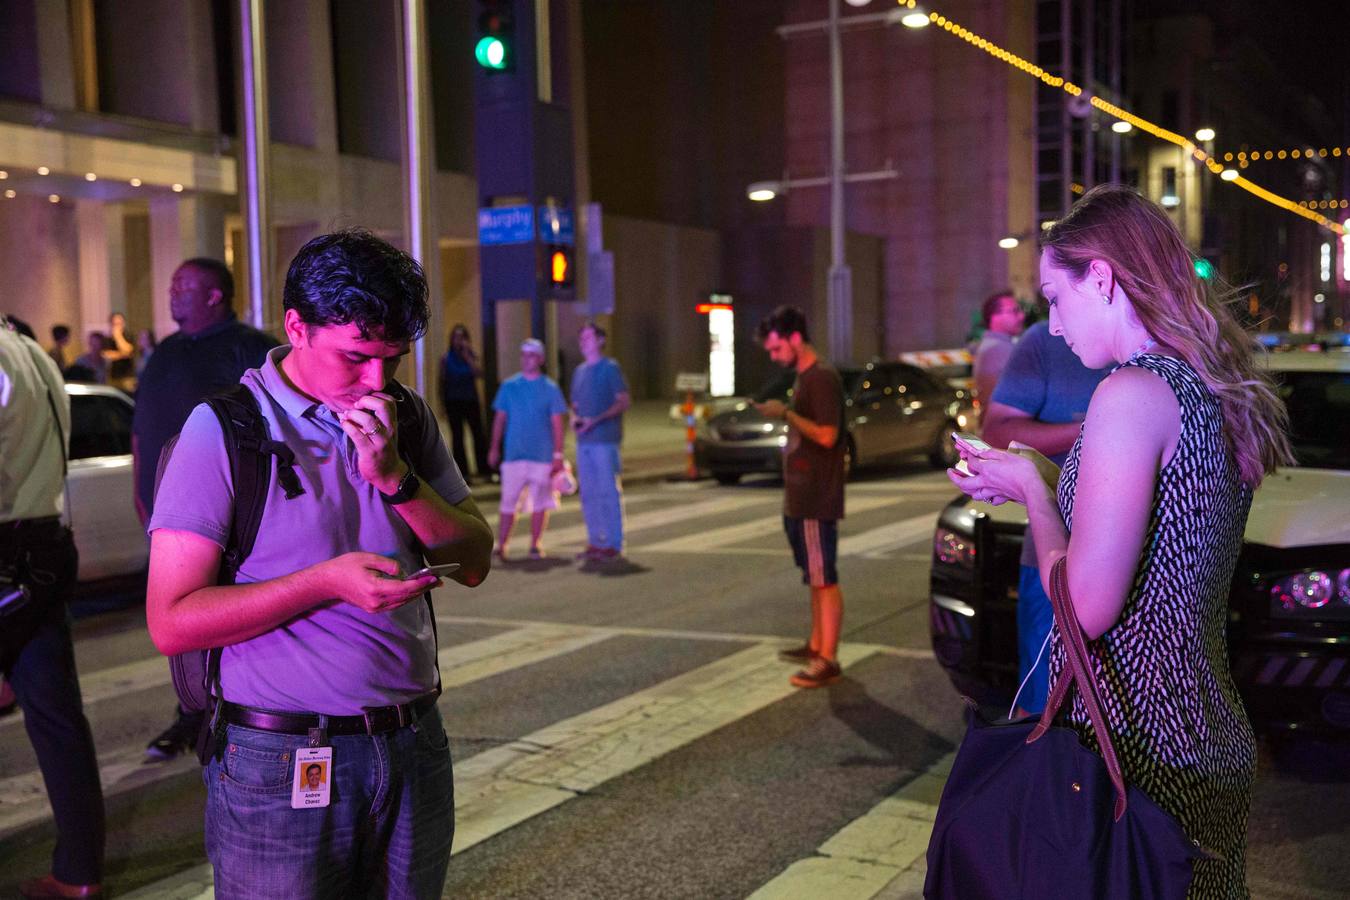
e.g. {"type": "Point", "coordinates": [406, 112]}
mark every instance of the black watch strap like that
{"type": "Point", "coordinates": [407, 489]}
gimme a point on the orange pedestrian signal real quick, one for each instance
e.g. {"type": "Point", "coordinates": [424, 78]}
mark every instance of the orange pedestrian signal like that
{"type": "Point", "coordinates": [560, 267]}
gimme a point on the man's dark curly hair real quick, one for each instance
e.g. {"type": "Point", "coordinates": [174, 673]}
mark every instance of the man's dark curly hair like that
{"type": "Point", "coordinates": [351, 277]}
{"type": "Point", "coordinates": [783, 321]}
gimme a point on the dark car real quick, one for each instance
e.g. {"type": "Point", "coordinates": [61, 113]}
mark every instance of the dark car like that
{"type": "Point", "coordinates": [893, 411]}
{"type": "Point", "coordinates": [1289, 622]}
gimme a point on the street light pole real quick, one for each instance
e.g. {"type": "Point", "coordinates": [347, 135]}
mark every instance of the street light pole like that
{"type": "Point", "coordinates": [839, 290]}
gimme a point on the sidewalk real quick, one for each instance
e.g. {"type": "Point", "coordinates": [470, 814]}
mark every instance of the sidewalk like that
{"type": "Point", "coordinates": [653, 448]}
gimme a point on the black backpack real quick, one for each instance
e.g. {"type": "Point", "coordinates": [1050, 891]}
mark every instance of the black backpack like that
{"type": "Point", "coordinates": [251, 450]}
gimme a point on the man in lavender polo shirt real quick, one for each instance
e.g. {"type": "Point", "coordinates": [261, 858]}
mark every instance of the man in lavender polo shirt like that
{"type": "Point", "coordinates": [327, 648]}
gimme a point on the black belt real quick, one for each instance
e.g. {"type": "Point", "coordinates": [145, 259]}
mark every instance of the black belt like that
{"type": "Point", "coordinates": [45, 523]}
{"type": "Point", "coordinates": [379, 720]}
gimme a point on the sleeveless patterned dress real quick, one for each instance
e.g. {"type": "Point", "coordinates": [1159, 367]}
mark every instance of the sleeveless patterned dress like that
{"type": "Point", "coordinates": [1176, 719]}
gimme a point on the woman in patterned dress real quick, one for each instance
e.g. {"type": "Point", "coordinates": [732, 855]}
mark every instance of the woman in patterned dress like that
{"type": "Point", "coordinates": [1150, 510]}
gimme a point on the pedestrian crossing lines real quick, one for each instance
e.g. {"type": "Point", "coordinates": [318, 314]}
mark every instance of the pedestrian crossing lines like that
{"type": "Point", "coordinates": [502, 787]}
{"type": "Point", "coordinates": [737, 537]}
{"type": "Point", "coordinates": [530, 773]}
{"type": "Point", "coordinates": [507, 785]}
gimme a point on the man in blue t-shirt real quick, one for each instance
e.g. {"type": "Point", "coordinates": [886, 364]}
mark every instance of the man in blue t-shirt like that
{"type": "Point", "coordinates": [529, 410]}
{"type": "Point", "coordinates": [1040, 401]}
{"type": "Point", "coordinates": [599, 399]}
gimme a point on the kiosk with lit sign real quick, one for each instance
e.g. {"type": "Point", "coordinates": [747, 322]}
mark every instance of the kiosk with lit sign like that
{"type": "Point", "coordinates": [721, 344]}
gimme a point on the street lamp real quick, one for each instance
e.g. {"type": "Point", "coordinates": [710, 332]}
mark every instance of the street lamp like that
{"type": "Point", "coordinates": [1229, 174]}
{"type": "Point", "coordinates": [915, 18]}
{"type": "Point", "coordinates": [1204, 134]}
{"type": "Point", "coordinates": [1122, 127]}
{"type": "Point", "coordinates": [1008, 243]}
{"type": "Point", "coordinates": [762, 191]}
{"type": "Point", "coordinates": [839, 287]}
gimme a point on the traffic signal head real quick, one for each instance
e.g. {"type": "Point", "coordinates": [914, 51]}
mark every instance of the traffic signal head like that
{"type": "Point", "coordinates": [495, 47]}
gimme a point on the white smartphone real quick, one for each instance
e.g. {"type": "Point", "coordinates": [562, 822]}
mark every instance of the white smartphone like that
{"type": "Point", "coordinates": [970, 441]}
{"type": "Point", "coordinates": [438, 571]}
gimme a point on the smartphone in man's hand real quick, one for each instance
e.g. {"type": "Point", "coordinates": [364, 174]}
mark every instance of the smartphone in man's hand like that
{"type": "Point", "coordinates": [437, 571]}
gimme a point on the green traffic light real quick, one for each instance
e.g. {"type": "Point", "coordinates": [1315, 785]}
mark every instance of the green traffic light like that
{"type": "Point", "coordinates": [491, 53]}
{"type": "Point", "coordinates": [1204, 269]}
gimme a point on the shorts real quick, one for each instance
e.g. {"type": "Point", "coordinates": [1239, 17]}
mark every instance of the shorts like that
{"type": "Point", "coordinates": [534, 480]}
{"type": "Point", "coordinates": [815, 544]}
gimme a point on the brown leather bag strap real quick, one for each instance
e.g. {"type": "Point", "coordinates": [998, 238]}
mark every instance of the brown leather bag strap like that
{"type": "Point", "coordinates": [1080, 672]}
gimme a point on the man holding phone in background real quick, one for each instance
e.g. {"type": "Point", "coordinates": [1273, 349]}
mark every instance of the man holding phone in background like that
{"type": "Point", "coordinates": [329, 649]}
{"type": "Point", "coordinates": [1040, 401]}
{"type": "Point", "coordinates": [813, 485]}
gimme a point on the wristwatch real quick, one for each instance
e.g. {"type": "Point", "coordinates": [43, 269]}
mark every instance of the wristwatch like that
{"type": "Point", "coordinates": [407, 489]}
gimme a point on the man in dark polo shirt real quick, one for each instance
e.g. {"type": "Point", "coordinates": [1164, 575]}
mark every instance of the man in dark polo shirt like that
{"type": "Point", "coordinates": [210, 352]}
{"type": "Point", "coordinates": [813, 482]}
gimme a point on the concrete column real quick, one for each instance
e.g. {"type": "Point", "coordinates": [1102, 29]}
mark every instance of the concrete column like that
{"type": "Point", "coordinates": [102, 262]}
{"type": "Point", "coordinates": [55, 54]}
{"type": "Point", "coordinates": [181, 228]}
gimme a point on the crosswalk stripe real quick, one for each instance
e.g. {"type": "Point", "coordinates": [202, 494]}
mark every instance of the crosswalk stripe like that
{"type": "Point", "coordinates": [879, 849]}
{"type": "Point", "coordinates": [876, 543]}
{"type": "Point", "coordinates": [23, 798]}
{"type": "Point", "coordinates": [505, 786]}
{"type": "Point", "coordinates": [524, 646]}
{"type": "Point", "coordinates": [713, 539]}
{"type": "Point", "coordinates": [115, 681]}
{"type": "Point", "coordinates": [575, 535]}
{"type": "Point", "coordinates": [740, 637]}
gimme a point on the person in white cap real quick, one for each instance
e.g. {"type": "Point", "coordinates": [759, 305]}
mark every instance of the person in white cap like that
{"type": "Point", "coordinates": [528, 419]}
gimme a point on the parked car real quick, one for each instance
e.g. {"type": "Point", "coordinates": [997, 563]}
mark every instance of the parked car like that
{"type": "Point", "coordinates": [100, 489]}
{"type": "Point", "coordinates": [1289, 624]}
{"type": "Point", "coordinates": [893, 410]}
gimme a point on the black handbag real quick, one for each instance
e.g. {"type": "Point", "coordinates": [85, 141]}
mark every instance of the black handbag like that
{"type": "Point", "coordinates": [1029, 812]}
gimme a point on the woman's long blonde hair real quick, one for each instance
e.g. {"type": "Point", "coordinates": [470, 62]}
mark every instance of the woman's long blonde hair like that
{"type": "Point", "coordinates": [1156, 270]}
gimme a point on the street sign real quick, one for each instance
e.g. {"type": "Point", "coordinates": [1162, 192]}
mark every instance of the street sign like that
{"type": "Point", "coordinates": [691, 381]}
{"type": "Point", "coordinates": [557, 225]}
{"type": "Point", "coordinates": [505, 225]}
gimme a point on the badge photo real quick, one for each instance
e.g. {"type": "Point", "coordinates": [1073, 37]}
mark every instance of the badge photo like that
{"type": "Point", "coordinates": [313, 784]}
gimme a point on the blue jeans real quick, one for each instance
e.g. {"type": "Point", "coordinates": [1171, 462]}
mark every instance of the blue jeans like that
{"type": "Point", "coordinates": [598, 468]}
{"type": "Point", "coordinates": [1035, 615]}
{"type": "Point", "coordinates": [386, 832]}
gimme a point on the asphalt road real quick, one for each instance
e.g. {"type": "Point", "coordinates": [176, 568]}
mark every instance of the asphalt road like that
{"type": "Point", "coordinates": [625, 730]}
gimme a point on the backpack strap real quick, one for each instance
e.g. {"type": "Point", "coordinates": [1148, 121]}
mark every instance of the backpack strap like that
{"type": "Point", "coordinates": [250, 448]}
{"type": "Point", "coordinates": [411, 435]}
{"type": "Point", "coordinates": [411, 426]}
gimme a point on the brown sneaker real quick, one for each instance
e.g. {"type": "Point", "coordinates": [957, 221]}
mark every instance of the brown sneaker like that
{"type": "Point", "coordinates": [802, 654]}
{"type": "Point", "coordinates": [818, 673]}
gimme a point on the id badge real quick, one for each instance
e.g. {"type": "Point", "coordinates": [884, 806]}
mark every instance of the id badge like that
{"type": "Point", "coordinates": [312, 786]}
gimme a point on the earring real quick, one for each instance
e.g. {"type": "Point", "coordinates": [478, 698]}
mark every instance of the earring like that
{"type": "Point", "coordinates": [1106, 298]}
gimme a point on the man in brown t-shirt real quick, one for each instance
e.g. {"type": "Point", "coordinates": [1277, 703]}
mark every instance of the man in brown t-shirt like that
{"type": "Point", "coordinates": [813, 481]}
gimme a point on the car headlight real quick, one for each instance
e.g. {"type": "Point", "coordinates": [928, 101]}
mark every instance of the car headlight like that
{"type": "Point", "coordinates": [954, 549]}
{"type": "Point", "coordinates": [1311, 591]}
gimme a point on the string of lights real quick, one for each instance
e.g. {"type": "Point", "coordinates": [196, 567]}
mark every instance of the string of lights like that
{"type": "Point", "coordinates": [1244, 157]}
{"type": "Point", "coordinates": [1228, 174]}
{"type": "Point", "coordinates": [1325, 204]}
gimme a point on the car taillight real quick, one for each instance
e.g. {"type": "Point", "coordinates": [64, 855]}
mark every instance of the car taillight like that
{"type": "Point", "coordinates": [1311, 592]}
{"type": "Point", "coordinates": [953, 549]}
